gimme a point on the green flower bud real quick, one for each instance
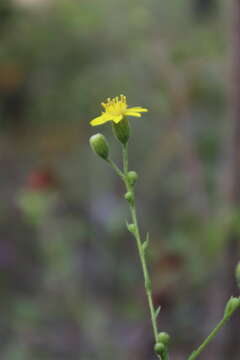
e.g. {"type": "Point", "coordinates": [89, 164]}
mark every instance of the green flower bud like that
{"type": "Point", "coordinates": [238, 274]}
{"type": "Point", "coordinates": [164, 338]}
{"type": "Point", "coordinates": [99, 145]}
{"type": "Point", "coordinates": [129, 197]}
{"type": "Point", "coordinates": [159, 348]}
{"type": "Point", "coordinates": [132, 177]}
{"type": "Point", "coordinates": [232, 305]}
{"type": "Point", "coordinates": [131, 228]}
{"type": "Point", "coordinates": [121, 130]}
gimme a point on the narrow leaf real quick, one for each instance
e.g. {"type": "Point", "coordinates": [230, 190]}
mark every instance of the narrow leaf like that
{"type": "Point", "coordinates": [145, 243]}
{"type": "Point", "coordinates": [157, 311]}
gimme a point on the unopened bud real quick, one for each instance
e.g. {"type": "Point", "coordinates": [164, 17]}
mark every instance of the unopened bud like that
{"type": "Point", "coordinates": [99, 145]}
{"type": "Point", "coordinates": [131, 228]}
{"type": "Point", "coordinates": [238, 274]}
{"type": "Point", "coordinates": [122, 130]}
{"type": "Point", "coordinates": [129, 197]}
{"type": "Point", "coordinates": [159, 348]}
{"type": "Point", "coordinates": [164, 338]}
{"type": "Point", "coordinates": [132, 177]}
{"type": "Point", "coordinates": [232, 305]}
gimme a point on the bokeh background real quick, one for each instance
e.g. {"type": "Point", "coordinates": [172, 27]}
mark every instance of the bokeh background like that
{"type": "Point", "coordinates": [70, 281]}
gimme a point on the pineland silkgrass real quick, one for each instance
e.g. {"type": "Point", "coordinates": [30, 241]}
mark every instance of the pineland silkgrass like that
{"type": "Point", "coordinates": [117, 112]}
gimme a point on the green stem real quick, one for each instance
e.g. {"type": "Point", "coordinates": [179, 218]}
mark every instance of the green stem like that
{"type": "Point", "coordinates": [212, 335]}
{"type": "Point", "coordinates": [148, 285]}
{"type": "Point", "coordinates": [116, 169]}
{"type": "Point", "coordinates": [141, 251]}
{"type": "Point", "coordinates": [125, 159]}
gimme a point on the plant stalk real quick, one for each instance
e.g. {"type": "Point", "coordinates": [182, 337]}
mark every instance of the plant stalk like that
{"type": "Point", "coordinates": [210, 337]}
{"type": "Point", "coordinates": [141, 250]}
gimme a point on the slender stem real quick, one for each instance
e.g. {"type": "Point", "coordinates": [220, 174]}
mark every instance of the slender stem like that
{"type": "Point", "coordinates": [125, 159]}
{"type": "Point", "coordinates": [211, 336]}
{"type": "Point", "coordinates": [148, 285]}
{"type": "Point", "coordinates": [141, 251]}
{"type": "Point", "coordinates": [116, 169]}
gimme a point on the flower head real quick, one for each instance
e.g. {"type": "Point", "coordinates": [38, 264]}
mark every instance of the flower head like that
{"type": "Point", "coordinates": [115, 110]}
{"type": "Point", "coordinates": [99, 145]}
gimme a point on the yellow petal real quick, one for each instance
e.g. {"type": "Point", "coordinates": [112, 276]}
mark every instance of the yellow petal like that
{"type": "Point", "coordinates": [132, 113]}
{"type": "Point", "coordinates": [117, 118]}
{"type": "Point", "coordinates": [100, 120]}
{"type": "Point", "coordinates": [137, 109]}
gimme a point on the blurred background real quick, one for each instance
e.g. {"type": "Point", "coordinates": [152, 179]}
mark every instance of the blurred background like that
{"type": "Point", "coordinates": [70, 282]}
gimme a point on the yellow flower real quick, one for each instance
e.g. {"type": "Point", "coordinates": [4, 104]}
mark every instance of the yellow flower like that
{"type": "Point", "coordinates": [115, 109]}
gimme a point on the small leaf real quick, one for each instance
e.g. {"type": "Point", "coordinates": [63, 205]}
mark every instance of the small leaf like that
{"type": "Point", "coordinates": [145, 243]}
{"type": "Point", "coordinates": [157, 311]}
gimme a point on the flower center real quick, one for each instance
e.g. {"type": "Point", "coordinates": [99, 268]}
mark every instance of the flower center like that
{"type": "Point", "coordinates": [116, 106]}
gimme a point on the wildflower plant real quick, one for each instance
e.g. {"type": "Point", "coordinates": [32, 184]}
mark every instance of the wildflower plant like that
{"type": "Point", "coordinates": [116, 111]}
